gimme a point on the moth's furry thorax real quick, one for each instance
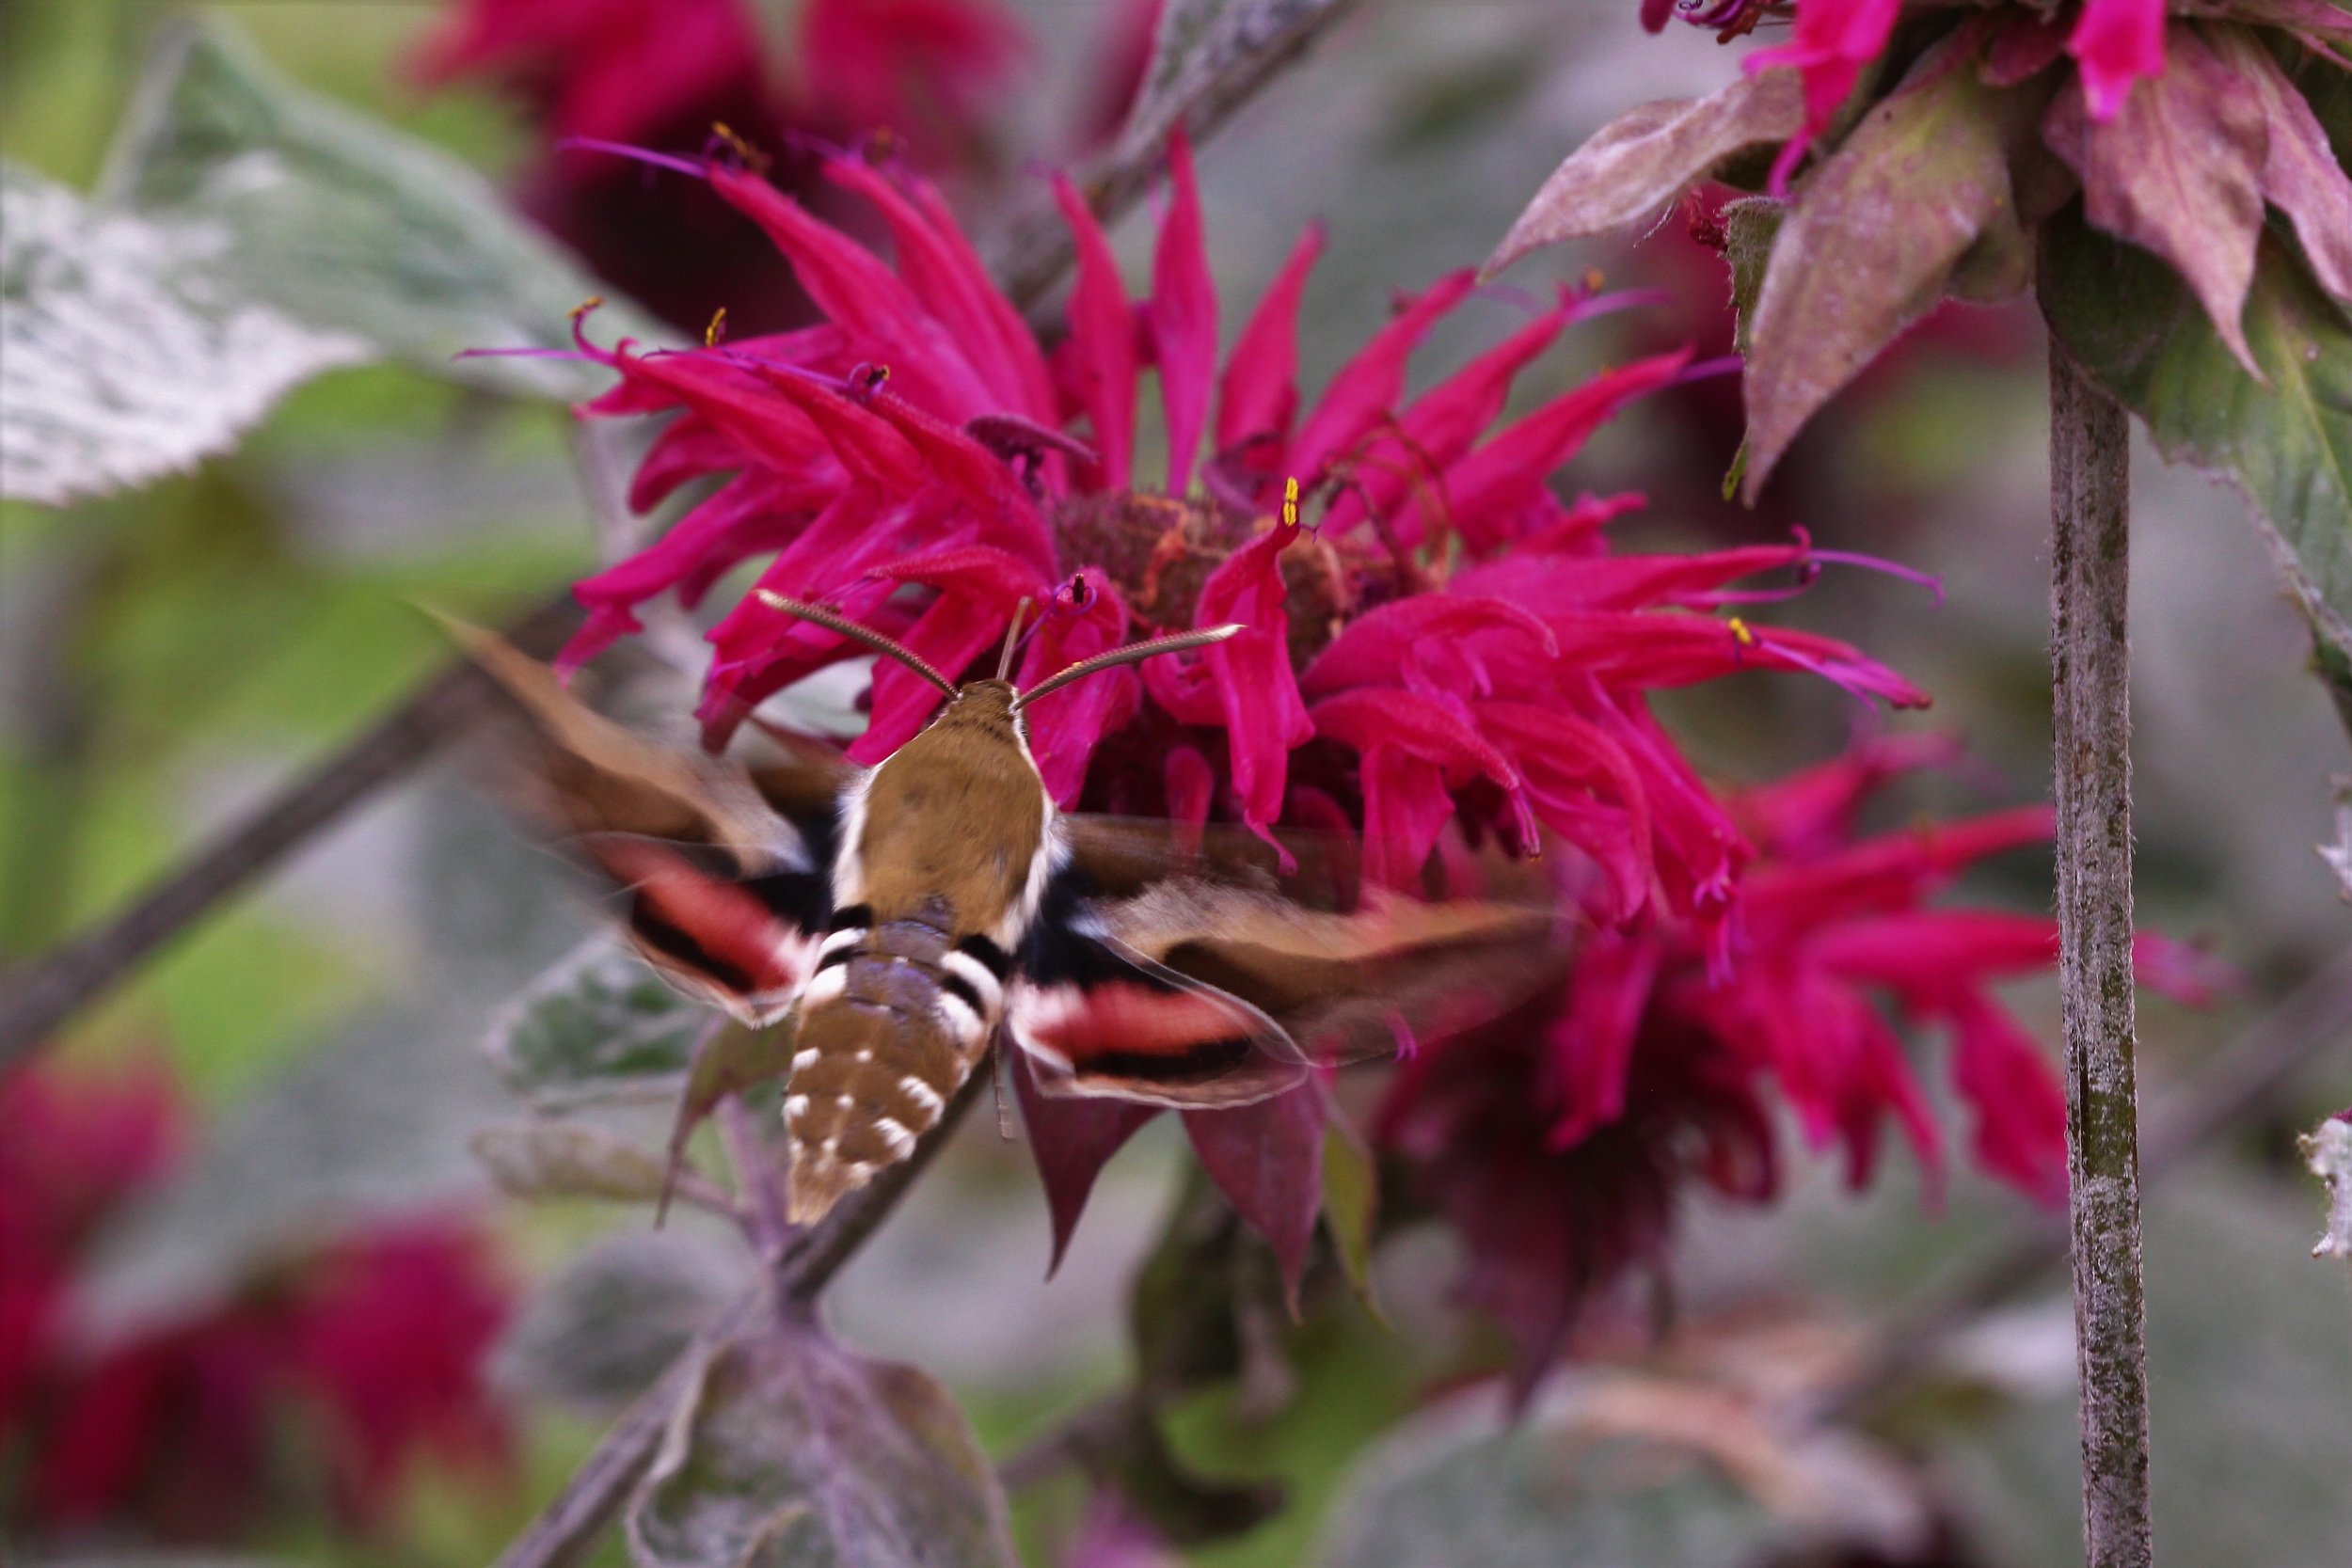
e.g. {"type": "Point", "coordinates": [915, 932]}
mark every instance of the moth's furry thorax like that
{"type": "Point", "coordinates": [957, 814]}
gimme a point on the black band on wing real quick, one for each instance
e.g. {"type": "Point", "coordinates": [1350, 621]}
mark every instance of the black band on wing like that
{"type": "Point", "coordinates": [1056, 950]}
{"type": "Point", "coordinates": [804, 896]}
{"type": "Point", "coordinates": [1211, 1060]}
{"type": "Point", "coordinates": [680, 947]}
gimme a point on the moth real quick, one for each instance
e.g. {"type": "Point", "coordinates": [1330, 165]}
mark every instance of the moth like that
{"type": "Point", "coordinates": [903, 920]}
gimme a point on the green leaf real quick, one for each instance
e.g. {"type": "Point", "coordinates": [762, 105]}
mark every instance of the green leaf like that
{"type": "Point", "coordinates": [1351, 1207]}
{"type": "Point", "coordinates": [1872, 236]}
{"type": "Point", "coordinates": [2287, 446]}
{"type": "Point", "coordinates": [599, 1025]}
{"type": "Point", "coordinates": [1188, 1508]}
{"type": "Point", "coordinates": [249, 235]}
{"type": "Point", "coordinates": [346, 222]}
{"type": "Point", "coordinates": [1751, 225]}
{"type": "Point", "coordinates": [1629, 169]}
{"type": "Point", "coordinates": [793, 1452]}
{"type": "Point", "coordinates": [120, 366]}
{"type": "Point", "coordinates": [733, 1058]}
{"type": "Point", "coordinates": [1620, 1468]}
{"type": "Point", "coordinates": [545, 1157]}
{"type": "Point", "coordinates": [608, 1321]}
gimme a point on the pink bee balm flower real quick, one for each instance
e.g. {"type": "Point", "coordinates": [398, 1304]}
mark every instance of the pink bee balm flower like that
{"type": "Point", "coordinates": [374, 1341]}
{"type": "Point", "coordinates": [1556, 1141]}
{"type": "Point", "coordinates": [1433, 638]}
{"type": "Point", "coordinates": [2117, 42]}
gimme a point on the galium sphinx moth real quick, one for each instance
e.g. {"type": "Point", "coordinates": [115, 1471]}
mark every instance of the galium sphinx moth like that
{"type": "Point", "coordinates": [904, 919]}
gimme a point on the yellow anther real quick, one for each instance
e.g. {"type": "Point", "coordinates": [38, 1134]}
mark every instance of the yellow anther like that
{"type": "Point", "coordinates": [1741, 633]}
{"type": "Point", "coordinates": [585, 306]}
{"type": "Point", "coordinates": [717, 328]}
{"type": "Point", "coordinates": [754, 158]}
{"type": "Point", "coordinates": [1594, 279]}
{"type": "Point", "coordinates": [1290, 501]}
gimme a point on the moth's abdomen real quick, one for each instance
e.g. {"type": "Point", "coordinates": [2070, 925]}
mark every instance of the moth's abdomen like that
{"type": "Point", "coordinates": [891, 1024]}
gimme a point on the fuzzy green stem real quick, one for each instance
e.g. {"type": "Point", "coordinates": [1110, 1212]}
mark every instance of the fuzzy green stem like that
{"type": "Point", "coordinates": [2091, 706]}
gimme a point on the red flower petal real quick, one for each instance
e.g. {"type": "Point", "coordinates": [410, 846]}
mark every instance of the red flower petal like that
{"type": "Point", "coordinates": [1370, 386]}
{"type": "Point", "coordinates": [1437, 430]}
{"type": "Point", "coordinates": [2118, 42]}
{"type": "Point", "coordinates": [1258, 395]}
{"type": "Point", "coordinates": [1183, 316]}
{"type": "Point", "coordinates": [878, 313]}
{"type": "Point", "coordinates": [1065, 726]}
{"type": "Point", "coordinates": [2004, 1075]}
{"type": "Point", "coordinates": [947, 279]}
{"type": "Point", "coordinates": [1246, 680]}
{"type": "Point", "coordinates": [1490, 489]}
{"type": "Point", "coordinates": [1100, 352]}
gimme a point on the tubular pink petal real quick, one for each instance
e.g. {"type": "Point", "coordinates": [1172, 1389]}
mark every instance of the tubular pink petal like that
{"type": "Point", "coordinates": [1407, 806]}
{"type": "Point", "coordinates": [878, 313]}
{"type": "Point", "coordinates": [1183, 316]}
{"type": "Point", "coordinates": [1376, 644]}
{"type": "Point", "coordinates": [1246, 680]}
{"type": "Point", "coordinates": [1493, 486]}
{"type": "Point", "coordinates": [1102, 347]}
{"type": "Point", "coordinates": [1259, 396]}
{"type": "Point", "coordinates": [2020, 1109]}
{"type": "Point", "coordinates": [1371, 385]}
{"type": "Point", "coordinates": [1191, 785]}
{"type": "Point", "coordinates": [1833, 41]}
{"type": "Point", "coordinates": [2117, 42]}
{"type": "Point", "coordinates": [1438, 429]}
{"type": "Point", "coordinates": [950, 283]}
{"type": "Point", "coordinates": [1589, 1049]}
{"type": "Point", "coordinates": [1065, 725]}
{"type": "Point", "coordinates": [2185, 972]}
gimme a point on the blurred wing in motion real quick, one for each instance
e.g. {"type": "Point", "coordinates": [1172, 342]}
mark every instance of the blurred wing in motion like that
{"type": "Point", "coordinates": [725, 876]}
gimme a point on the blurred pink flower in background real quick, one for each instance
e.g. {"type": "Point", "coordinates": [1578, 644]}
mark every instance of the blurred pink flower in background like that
{"type": "Point", "coordinates": [661, 73]}
{"type": "Point", "coordinates": [368, 1345]}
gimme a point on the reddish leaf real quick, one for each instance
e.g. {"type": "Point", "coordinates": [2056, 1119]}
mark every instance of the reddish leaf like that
{"type": "Point", "coordinates": [790, 1447]}
{"type": "Point", "coordinates": [1268, 1160]}
{"type": "Point", "coordinates": [2299, 171]}
{"type": "Point", "coordinates": [1632, 166]}
{"type": "Point", "coordinates": [1872, 237]}
{"type": "Point", "coordinates": [1071, 1138]}
{"type": "Point", "coordinates": [2178, 170]}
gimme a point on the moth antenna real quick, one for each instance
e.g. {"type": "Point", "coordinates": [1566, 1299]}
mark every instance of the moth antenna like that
{"type": "Point", "coordinates": [1012, 637]}
{"type": "Point", "coordinates": [1175, 644]}
{"type": "Point", "coordinates": [835, 621]}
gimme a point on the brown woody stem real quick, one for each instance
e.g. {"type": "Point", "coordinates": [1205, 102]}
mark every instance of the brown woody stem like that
{"type": "Point", "coordinates": [2091, 706]}
{"type": "Point", "coordinates": [38, 997]}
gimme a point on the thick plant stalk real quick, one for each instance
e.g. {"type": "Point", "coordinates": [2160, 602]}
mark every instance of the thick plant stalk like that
{"type": "Point", "coordinates": [2090, 697]}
